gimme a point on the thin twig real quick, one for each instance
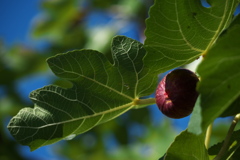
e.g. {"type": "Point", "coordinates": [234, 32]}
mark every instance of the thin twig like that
{"type": "Point", "coordinates": [227, 139]}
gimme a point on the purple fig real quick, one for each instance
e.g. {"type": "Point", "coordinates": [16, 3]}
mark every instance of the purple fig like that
{"type": "Point", "coordinates": [176, 94]}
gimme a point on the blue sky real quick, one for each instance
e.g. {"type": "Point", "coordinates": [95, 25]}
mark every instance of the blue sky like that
{"type": "Point", "coordinates": [15, 18]}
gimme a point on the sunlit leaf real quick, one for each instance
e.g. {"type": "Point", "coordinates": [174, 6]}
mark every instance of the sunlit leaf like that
{"type": "Point", "coordinates": [187, 146]}
{"type": "Point", "coordinates": [219, 86]}
{"type": "Point", "coordinates": [101, 91]}
{"type": "Point", "coordinates": [178, 32]}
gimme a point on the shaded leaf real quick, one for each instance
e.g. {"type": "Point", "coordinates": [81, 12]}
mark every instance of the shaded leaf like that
{"type": "Point", "coordinates": [219, 86]}
{"type": "Point", "coordinates": [234, 147]}
{"type": "Point", "coordinates": [101, 91]}
{"type": "Point", "coordinates": [236, 21]}
{"type": "Point", "coordinates": [233, 109]}
{"type": "Point", "coordinates": [162, 158]}
{"type": "Point", "coordinates": [235, 154]}
{"type": "Point", "coordinates": [178, 32]}
{"type": "Point", "coordinates": [187, 146]}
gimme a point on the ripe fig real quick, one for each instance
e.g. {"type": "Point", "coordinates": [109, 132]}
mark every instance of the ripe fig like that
{"type": "Point", "coordinates": [176, 93]}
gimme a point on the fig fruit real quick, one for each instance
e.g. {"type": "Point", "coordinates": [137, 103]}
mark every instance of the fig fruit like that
{"type": "Point", "coordinates": [176, 94]}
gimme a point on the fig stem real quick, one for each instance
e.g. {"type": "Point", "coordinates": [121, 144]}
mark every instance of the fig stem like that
{"type": "Point", "coordinates": [208, 135]}
{"type": "Point", "coordinates": [225, 145]}
{"type": "Point", "coordinates": [140, 103]}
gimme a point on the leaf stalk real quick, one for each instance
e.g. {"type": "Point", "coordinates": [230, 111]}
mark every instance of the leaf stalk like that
{"type": "Point", "coordinates": [208, 135]}
{"type": "Point", "coordinates": [140, 103]}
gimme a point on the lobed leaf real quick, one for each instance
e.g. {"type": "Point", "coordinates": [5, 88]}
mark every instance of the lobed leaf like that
{"type": "Point", "coordinates": [101, 91]}
{"type": "Point", "coordinates": [219, 86]}
{"type": "Point", "coordinates": [178, 32]}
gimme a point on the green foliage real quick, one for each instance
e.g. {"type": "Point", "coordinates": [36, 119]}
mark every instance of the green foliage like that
{"type": "Point", "coordinates": [105, 86]}
{"type": "Point", "coordinates": [52, 26]}
{"type": "Point", "coordinates": [179, 32]}
{"type": "Point", "coordinates": [219, 73]}
{"type": "Point", "coordinates": [101, 91]}
{"type": "Point", "coordinates": [187, 146]}
{"type": "Point", "coordinates": [233, 150]}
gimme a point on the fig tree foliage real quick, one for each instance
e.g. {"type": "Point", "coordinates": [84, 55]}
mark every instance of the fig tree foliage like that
{"type": "Point", "coordinates": [177, 33]}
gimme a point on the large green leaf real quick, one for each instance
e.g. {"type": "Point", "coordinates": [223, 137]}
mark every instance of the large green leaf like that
{"type": "Point", "coordinates": [101, 91]}
{"type": "Point", "coordinates": [187, 146]}
{"type": "Point", "coordinates": [178, 32]}
{"type": "Point", "coordinates": [219, 86]}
